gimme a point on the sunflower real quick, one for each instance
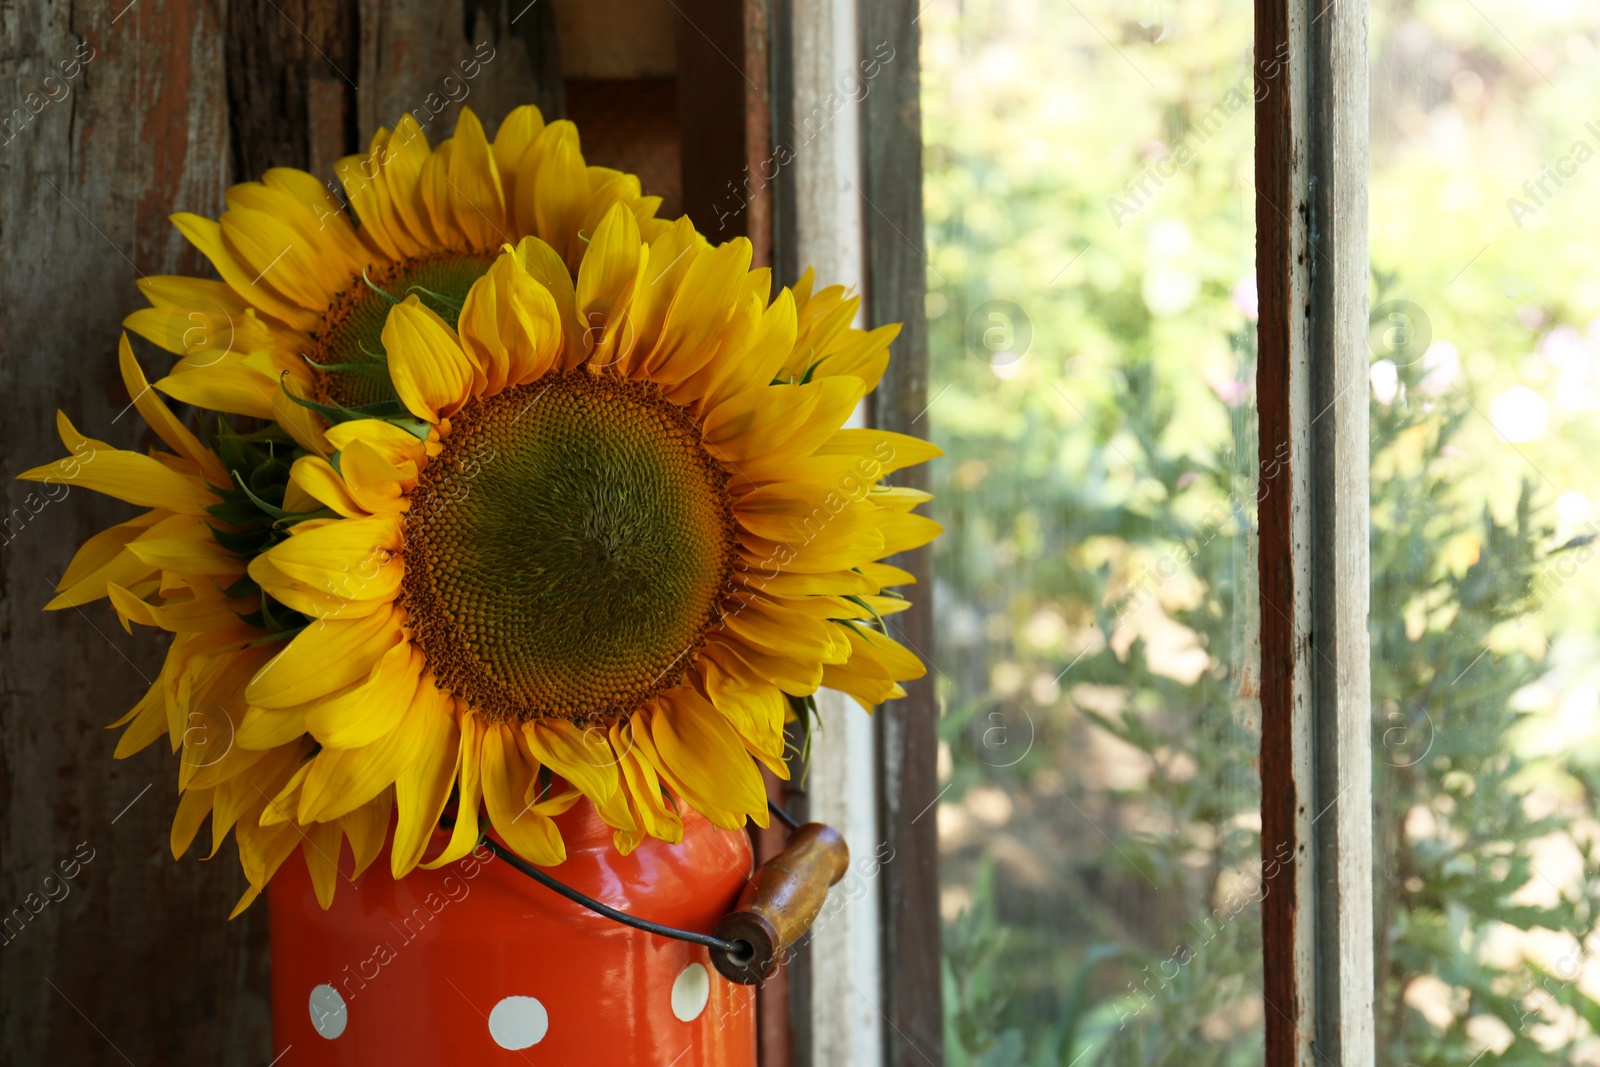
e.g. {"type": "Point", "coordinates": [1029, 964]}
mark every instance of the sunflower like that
{"type": "Point", "coordinates": [609, 533]}
{"type": "Point", "coordinates": [293, 331]}
{"type": "Point", "coordinates": [181, 566]}
{"type": "Point", "coordinates": [596, 562]}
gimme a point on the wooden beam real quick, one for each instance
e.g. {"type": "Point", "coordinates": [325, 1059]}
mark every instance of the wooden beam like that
{"type": "Point", "coordinates": [115, 116]}
{"type": "Point", "coordinates": [525, 35]}
{"type": "Point", "coordinates": [1311, 122]}
{"type": "Point", "coordinates": [715, 91]}
{"type": "Point", "coordinates": [887, 78]}
{"type": "Point", "coordinates": [845, 1024]}
{"type": "Point", "coordinates": [1341, 556]}
{"type": "Point", "coordinates": [291, 93]}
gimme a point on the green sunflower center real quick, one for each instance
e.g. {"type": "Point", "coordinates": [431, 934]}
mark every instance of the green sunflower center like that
{"type": "Point", "coordinates": [567, 552]}
{"type": "Point", "coordinates": [352, 332]}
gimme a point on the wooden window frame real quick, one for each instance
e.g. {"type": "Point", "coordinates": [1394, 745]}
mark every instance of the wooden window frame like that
{"type": "Point", "coordinates": [1312, 367]}
{"type": "Point", "coordinates": [847, 134]}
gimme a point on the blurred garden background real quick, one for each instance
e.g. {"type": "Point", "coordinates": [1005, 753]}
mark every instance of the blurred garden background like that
{"type": "Point", "coordinates": [1092, 301]}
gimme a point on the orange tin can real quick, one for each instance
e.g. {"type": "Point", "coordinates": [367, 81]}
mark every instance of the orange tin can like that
{"type": "Point", "coordinates": [476, 963]}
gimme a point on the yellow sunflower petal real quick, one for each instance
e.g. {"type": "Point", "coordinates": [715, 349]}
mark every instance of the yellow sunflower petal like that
{"type": "Point", "coordinates": [398, 175]}
{"type": "Point", "coordinates": [102, 560]}
{"type": "Point", "coordinates": [146, 721]}
{"type": "Point", "coordinates": [366, 712]}
{"type": "Point", "coordinates": [510, 325]}
{"type": "Point", "coordinates": [757, 711]}
{"type": "Point", "coordinates": [545, 266]}
{"type": "Point", "coordinates": [423, 785]}
{"type": "Point", "coordinates": [197, 615]}
{"type": "Point", "coordinates": [324, 658]}
{"type": "Point", "coordinates": [701, 755]}
{"type": "Point", "coordinates": [704, 300]}
{"type": "Point", "coordinates": [644, 786]}
{"type": "Point", "coordinates": [432, 374]}
{"type": "Point", "coordinates": [193, 807]}
{"type": "Point", "coordinates": [507, 776]}
{"type": "Point", "coordinates": [559, 192]}
{"type": "Point", "coordinates": [476, 199]}
{"type": "Point", "coordinates": [321, 602]}
{"type": "Point", "coordinates": [398, 446]}
{"type": "Point", "coordinates": [206, 235]}
{"type": "Point", "coordinates": [612, 269]}
{"type": "Point", "coordinates": [511, 142]}
{"type": "Point", "coordinates": [141, 480]}
{"type": "Point", "coordinates": [469, 796]}
{"type": "Point", "coordinates": [367, 827]}
{"type": "Point", "coordinates": [262, 850]}
{"type": "Point", "coordinates": [375, 483]}
{"type": "Point", "coordinates": [795, 677]}
{"type": "Point", "coordinates": [160, 418]}
{"type": "Point", "coordinates": [321, 846]}
{"type": "Point", "coordinates": [316, 477]}
{"type": "Point", "coordinates": [353, 559]}
{"type": "Point", "coordinates": [267, 728]}
{"type": "Point", "coordinates": [582, 757]}
{"type": "Point", "coordinates": [902, 531]}
{"type": "Point", "coordinates": [341, 780]}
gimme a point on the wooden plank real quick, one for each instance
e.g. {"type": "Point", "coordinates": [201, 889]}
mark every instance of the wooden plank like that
{"type": "Point", "coordinates": [713, 90]}
{"type": "Point", "coordinates": [150, 121]}
{"type": "Point", "coordinates": [135, 960]}
{"type": "Point", "coordinates": [724, 96]}
{"type": "Point", "coordinates": [618, 39]}
{"type": "Point", "coordinates": [631, 124]}
{"type": "Point", "coordinates": [723, 93]}
{"type": "Point", "coordinates": [431, 59]}
{"type": "Point", "coordinates": [98, 178]}
{"type": "Point", "coordinates": [1282, 398]}
{"type": "Point", "coordinates": [1312, 397]}
{"type": "Point", "coordinates": [290, 71]}
{"type": "Point", "coordinates": [1340, 556]}
{"type": "Point", "coordinates": [888, 81]}
{"type": "Point", "coordinates": [846, 1017]}
{"type": "Point", "coordinates": [760, 158]}
{"type": "Point", "coordinates": [528, 51]}
{"type": "Point", "coordinates": [785, 238]}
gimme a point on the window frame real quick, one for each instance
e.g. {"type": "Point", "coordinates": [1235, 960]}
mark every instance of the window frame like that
{"type": "Point", "coordinates": [1313, 504]}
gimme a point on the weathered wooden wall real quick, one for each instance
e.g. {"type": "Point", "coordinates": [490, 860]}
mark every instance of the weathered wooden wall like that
{"type": "Point", "coordinates": [896, 288]}
{"type": "Point", "coordinates": [113, 117]}
{"type": "Point", "coordinates": [135, 961]}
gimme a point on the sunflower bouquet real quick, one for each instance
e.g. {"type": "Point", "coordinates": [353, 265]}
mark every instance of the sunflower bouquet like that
{"type": "Point", "coordinates": [503, 493]}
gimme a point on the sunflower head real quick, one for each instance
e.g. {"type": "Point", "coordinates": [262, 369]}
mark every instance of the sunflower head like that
{"type": "Point", "coordinates": [568, 550]}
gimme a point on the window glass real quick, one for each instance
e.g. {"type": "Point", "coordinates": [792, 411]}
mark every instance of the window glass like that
{"type": "Point", "coordinates": [1092, 303]}
{"type": "Point", "coordinates": [1485, 623]}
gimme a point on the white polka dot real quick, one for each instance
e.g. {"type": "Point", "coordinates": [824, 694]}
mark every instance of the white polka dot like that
{"type": "Point", "coordinates": [690, 992]}
{"type": "Point", "coordinates": [328, 1013]}
{"type": "Point", "coordinates": [518, 1023]}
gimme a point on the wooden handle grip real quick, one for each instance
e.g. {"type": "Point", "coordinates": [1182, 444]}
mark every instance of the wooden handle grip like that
{"type": "Point", "coordinates": [781, 902]}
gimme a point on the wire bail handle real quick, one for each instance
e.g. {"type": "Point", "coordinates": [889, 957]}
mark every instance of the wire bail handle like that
{"type": "Point", "coordinates": [779, 903]}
